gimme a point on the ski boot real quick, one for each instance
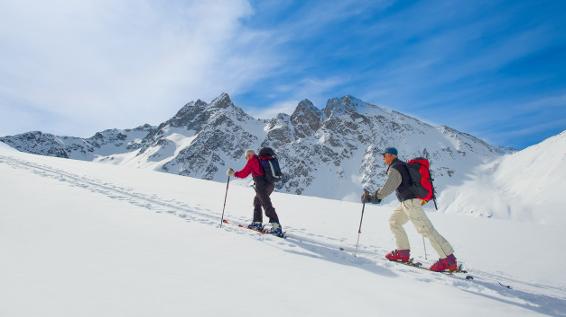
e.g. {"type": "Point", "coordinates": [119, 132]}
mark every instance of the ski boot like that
{"type": "Point", "coordinates": [449, 264]}
{"type": "Point", "coordinates": [276, 230]}
{"type": "Point", "coordinates": [257, 226]}
{"type": "Point", "coordinates": [399, 256]}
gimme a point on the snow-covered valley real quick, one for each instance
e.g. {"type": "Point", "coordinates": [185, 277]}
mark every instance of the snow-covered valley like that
{"type": "Point", "coordinates": [86, 239]}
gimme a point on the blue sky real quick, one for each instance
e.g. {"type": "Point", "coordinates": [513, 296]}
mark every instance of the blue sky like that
{"type": "Point", "coordinates": [495, 69]}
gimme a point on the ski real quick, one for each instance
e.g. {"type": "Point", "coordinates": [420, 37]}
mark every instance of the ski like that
{"type": "Point", "coordinates": [261, 232]}
{"type": "Point", "coordinates": [419, 265]}
{"type": "Point", "coordinates": [301, 239]}
{"type": "Point", "coordinates": [456, 274]}
{"type": "Point", "coordinates": [239, 225]}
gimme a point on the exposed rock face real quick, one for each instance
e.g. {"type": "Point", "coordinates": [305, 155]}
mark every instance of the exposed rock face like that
{"type": "Point", "coordinates": [306, 119]}
{"type": "Point", "coordinates": [36, 142]}
{"type": "Point", "coordinates": [332, 152]}
{"type": "Point", "coordinates": [221, 131]}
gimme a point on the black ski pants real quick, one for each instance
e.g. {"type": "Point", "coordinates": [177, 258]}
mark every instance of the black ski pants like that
{"type": "Point", "coordinates": [263, 190]}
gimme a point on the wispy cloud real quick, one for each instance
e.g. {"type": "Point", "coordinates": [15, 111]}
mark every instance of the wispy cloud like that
{"type": "Point", "coordinates": [119, 63]}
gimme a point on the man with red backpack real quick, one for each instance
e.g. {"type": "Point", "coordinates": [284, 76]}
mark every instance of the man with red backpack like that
{"type": "Point", "coordinates": [412, 194]}
{"type": "Point", "coordinates": [264, 186]}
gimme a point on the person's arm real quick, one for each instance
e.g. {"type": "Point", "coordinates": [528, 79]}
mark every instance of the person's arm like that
{"type": "Point", "coordinates": [393, 181]}
{"type": "Point", "coordinates": [245, 172]}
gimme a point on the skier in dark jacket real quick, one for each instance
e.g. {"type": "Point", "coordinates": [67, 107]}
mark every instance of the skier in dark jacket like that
{"type": "Point", "coordinates": [263, 189]}
{"type": "Point", "coordinates": [399, 181]}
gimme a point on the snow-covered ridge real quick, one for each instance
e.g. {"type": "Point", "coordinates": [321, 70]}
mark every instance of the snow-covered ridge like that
{"type": "Point", "coordinates": [107, 142]}
{"type": "Point", "coordinates": [525, 185]}
{"type": "Point", "coordinates": [332, 152]}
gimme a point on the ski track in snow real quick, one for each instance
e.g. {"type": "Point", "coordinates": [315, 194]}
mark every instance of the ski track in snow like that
{"type": "Point", "coordinates": [533, 296]}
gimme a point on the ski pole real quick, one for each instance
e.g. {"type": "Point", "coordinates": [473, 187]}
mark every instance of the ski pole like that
{"type": "Point", "coordinates": [424, 247]}
{"type": "Point", "coordinates": [360, 228]}
{"type": "Point", "coordinates": [225, 198]}
{"type": "Point", "coordinates": [435, 205]}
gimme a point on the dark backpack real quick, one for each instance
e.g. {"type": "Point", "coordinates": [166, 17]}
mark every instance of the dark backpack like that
{"type": "Point", "coordinates": [270, 165]}
{"type": "Point", "coordinates": [421, 180]}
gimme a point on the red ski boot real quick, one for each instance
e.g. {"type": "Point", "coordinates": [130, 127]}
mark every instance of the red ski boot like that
{"type": "Point", "coordinates": [447, 264]}
{"type": "Point", "coordinates": [399, 256]}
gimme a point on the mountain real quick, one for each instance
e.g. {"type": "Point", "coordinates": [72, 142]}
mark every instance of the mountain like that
{"type": "Point", "coordinates": [525, 185]}
{"type": "Point", "coordinates": [107, 142]}
{"type": "Point", "coordinates": [331, 152]}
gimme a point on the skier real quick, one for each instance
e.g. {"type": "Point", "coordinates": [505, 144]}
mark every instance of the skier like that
{"type": "Point", "coordinates": [398, 180]}
{"type": "Point", "coordinates": [263, 189]}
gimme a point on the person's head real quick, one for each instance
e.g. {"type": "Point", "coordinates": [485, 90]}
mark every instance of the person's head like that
{"type": "Point", "coordinates": [249, 154]}
{"type": "Point", "coordinates": [389, 155]}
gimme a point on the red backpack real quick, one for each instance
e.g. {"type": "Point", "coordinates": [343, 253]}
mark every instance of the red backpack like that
{"type": "Point", "coordinates": [419, 169]}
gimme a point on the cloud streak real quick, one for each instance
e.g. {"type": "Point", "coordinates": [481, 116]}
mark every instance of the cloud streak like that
{"type": "Point", "coordinates": [118, 63]}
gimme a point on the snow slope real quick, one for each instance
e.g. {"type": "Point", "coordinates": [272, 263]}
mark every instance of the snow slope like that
{"type": "Point", "coordinates": [527, 185]}
{"type": "Point", "coordinates": [86, 239]}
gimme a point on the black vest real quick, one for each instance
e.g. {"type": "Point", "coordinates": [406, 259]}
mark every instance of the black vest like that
{"type": "Point", "coordinates": [404, 191]}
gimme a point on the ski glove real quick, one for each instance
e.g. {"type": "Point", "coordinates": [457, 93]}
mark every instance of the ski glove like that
{"type": "Point", "coordinates": [376, 200]}
{"type": "Point", "coordinates": [230, 172]}
{"type": "Point", "coordinates": [365, 197]}
{"type": "Point", "coordinates": [368, 197]}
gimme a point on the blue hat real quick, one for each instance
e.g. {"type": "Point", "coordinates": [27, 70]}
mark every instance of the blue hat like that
{"type": "Point", "coordinates": [390, 150]}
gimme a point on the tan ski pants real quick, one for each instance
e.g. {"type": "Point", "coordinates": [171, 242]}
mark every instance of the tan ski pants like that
{"type": "Point", "coordinates": [412, 210]}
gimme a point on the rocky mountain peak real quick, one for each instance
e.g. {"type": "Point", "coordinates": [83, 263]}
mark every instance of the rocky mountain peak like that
{"type": "Point", "coordinates": [351, 105]}
{"type": "Point", "coordinates": [282, 116]}
{"type": "Point", "coordinates": [306, 118]}
{"type": "Point", "coordinates": [305, 106]}
{"type": "Point", "coordinates": [200, 103]}
{"type": "Point", "coordinates": [187, 115]}
{"type": "Point", "coordinates": [342, 105]}
{"type": "Point", "coordinates": [189, 108]}
{"type": "Point", "coordinates": [222, 101]}
{"type": "Point", "coordinates": [144, 127]}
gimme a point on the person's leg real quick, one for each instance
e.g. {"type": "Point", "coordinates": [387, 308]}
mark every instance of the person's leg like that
{"type": "Point", "coordinates": [396, 221]}
{"type": "Point", "coordinates": [264, 189]}
{"type": "Point", "coordinates": [422, 223]}
{"type": "Point", "coordinates": [258, 213]}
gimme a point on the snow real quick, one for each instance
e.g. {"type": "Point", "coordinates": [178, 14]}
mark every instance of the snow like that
{"type": "Point", "coordinates": [177, 139]}
{"type": "Point", "coordinates": [5, 147]}
{"type": "Point", "coordinates": [104, 240]}
{"type": "Point", "coordinates": [527, 185]}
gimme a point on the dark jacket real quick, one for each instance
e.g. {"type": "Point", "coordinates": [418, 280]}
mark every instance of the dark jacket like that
{"type": "Point", "coordinates": [398, 180]}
